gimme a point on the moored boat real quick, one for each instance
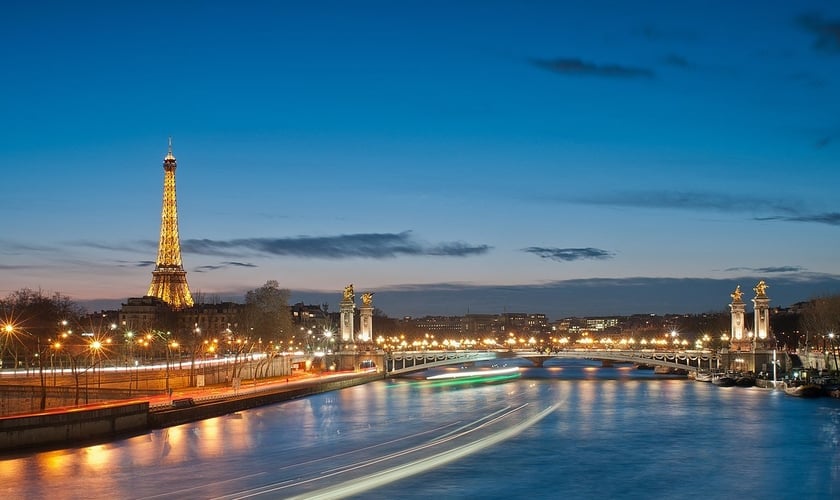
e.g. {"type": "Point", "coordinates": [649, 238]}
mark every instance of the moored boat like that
{"type": "Point", "coordinates": [830, 386]}
{"type": "Point", "coordinates": [745, 380]}
{"type": "Point", "coordinates": [802, 390]}
{"type": "Point", "coordinates": [703, 376]}
{"type": "Point", "coordinates": [802, 383]}
{"type": "Point", "coordinates": [669, 370]}
{"type": "Point", "coordinates": [723, 380]}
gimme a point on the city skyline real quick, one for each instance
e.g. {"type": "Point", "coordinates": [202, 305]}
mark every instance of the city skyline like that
{"type": "Point", "coordinates": [594, 159]}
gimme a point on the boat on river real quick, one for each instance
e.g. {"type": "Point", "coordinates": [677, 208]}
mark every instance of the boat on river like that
{"type": "Point", "coordinates": [745, 380]}
{"type": "Point", "coordinates": [481, 375]}
{"type": "Point", "coordinates": [669, 370]}
{"type": "Point", "coordinates": [802, 390]}
{"type": "Point", "coordinates": [830, 386]}
{"type": "Point", "coordinates": [802, 383]}
{"type": "Point", "coordinates": [703, 376]}
{"type": "Point", "coordinates": [723, 380]}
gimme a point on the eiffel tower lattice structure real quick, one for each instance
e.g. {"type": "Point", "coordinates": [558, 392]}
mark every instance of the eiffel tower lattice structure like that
{"type": "Point", "coordinates": [169, 280]}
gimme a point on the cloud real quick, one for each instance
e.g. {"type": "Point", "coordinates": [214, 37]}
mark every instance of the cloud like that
{"type": "Point", "coordinates": [830, 218]}
{"type": "Point", "coordinates": [14, 248]}
{"type": "Point", "coordinates": [370, 245]}
{"type": "Point", "coordinates": [569, 254]}
{"type": "Point", "coordinates": [222, 265]}
{"type": "Point", "coordinates": [574, 66]}
{"type": "Point", "coordinates": [827, 33]}
{"type": "Point", "coordinates": [133, 263]}
{"type": "Point", "coordinates": [766, 270]}
{"type": "Point", "coordinates": [677, 60]}
{"type": "Point", "coordinates": [121, 247]}
{"type": "Point", "coordinates": [654, 33]}
{"type": "Point", "coordinates": [705, 201]}
{"type": "Point", "coordinates": [822, 142]}
{"type": "Point", "coordinates": [689, 200]}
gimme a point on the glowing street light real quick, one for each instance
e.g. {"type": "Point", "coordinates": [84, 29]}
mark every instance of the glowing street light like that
{"type": "Point", "coordinates": [96, 350]}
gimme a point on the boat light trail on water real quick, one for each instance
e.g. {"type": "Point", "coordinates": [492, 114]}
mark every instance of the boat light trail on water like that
{"type": "Point", "coordinates": [378, 479]}
{"type": "Point", "coordinates": [449, 436]}
{"type": "Point", "coordinates": [476, 373]}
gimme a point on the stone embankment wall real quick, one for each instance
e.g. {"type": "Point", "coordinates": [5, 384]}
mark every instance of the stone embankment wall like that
{"type": "Point", "coordinates": [176, 416]}
{"type": "Point", "coordinates": [66, 428]}
{"type": "Point", "coordinates": [63, 428]}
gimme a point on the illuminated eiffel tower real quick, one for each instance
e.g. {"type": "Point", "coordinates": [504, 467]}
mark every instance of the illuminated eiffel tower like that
{"type": "Point", "coordinates": [169, 280]}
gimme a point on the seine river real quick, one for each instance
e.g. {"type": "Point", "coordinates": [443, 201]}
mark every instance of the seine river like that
{"type": "Point", "coordinates": [575, 430]}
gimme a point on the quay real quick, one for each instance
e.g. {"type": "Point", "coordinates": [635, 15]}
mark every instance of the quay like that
{"type": "Point", "coordinates": [62, 427]}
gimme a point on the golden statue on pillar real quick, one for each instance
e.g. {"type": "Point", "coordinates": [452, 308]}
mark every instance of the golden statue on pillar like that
{"type": "Point", "coordinates": [736, 295]}
{"type": "Point", "coordinates": [349, 295]}
{"type": "Point", "coordinates": [760, 289]}
{"type": "Point", "coordinates": [367, 298]}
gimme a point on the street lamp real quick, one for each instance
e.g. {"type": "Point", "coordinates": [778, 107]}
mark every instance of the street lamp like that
{"type": "Point", "coordinates": [55, 348]}
{"type": "Point", "coordinates": [96, 349]}
{"type": "Point", "coordinates": [8, 330]}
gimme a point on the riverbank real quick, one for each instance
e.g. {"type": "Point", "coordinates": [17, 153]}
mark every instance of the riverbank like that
{"type": "Point", "coordinates": [185, 409]}
{"type": "Point", "coordinates": [74, 426]}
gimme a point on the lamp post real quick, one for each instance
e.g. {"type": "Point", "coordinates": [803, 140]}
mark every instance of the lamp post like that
{"type": "Point", "coordinates": [55, 347]}
{"type": "Point", "coordinates": [327, 339]}
{"type": "Point", "coordinates": [8, 330]}
{"type": "Point", "coordinates": [96, 349]}
{"type": "Point", "coordinates": [833, 350]}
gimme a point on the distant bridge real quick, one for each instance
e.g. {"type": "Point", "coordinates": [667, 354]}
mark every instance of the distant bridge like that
{"type": "Point", "coordinates": [402, 362]}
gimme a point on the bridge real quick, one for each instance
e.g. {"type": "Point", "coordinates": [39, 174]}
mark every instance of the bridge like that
{"type": "Point", "coordinates": [403, 362]}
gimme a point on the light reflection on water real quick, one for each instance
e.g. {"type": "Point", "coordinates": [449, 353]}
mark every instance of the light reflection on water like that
{"type": "Point", "coordinates": [615, 432]}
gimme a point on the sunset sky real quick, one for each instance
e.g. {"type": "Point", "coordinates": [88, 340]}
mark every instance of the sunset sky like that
{"type": "Point", "coordinates": [571, 158]}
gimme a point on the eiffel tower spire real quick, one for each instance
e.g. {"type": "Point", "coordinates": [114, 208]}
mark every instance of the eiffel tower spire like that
{"type": "Point", "coordinates": [169, 280]}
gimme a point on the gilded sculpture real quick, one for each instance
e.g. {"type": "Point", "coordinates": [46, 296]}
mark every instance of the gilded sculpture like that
{"type": "Point", "coordinates": [760, 289]}
{"type": "Point", "coordinates": [367, 298]}
{"type": "Point", "coordinates": [348, 293]}
{"type": "Point", "coordinates": [736, 295]}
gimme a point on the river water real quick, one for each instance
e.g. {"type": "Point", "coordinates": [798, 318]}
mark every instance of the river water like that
{"type": "Point", "coordinates": [572, 430]}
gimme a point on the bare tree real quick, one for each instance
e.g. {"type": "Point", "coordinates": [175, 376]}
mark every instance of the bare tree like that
{"type": "Point", "coordinates": [820, 321]}
{"type": "Point", "coordinates": [265, 315]}
{"type": "Point", "coordinates": [31, 323]}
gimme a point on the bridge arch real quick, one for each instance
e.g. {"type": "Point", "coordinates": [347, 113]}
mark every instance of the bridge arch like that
{"type": "Point", "coordinates": [400, 363]}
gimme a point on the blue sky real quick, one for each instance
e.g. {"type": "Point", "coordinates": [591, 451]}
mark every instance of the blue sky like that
{"type": "Point", "coordinates": [572, 158]}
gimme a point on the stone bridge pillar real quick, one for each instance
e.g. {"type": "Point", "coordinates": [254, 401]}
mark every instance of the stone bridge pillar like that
{"type": "Point", "coordinates": [347, 308]}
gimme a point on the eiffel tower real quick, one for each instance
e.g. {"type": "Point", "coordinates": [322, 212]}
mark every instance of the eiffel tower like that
{"type": "Point", "coordinates": [169, 280]}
